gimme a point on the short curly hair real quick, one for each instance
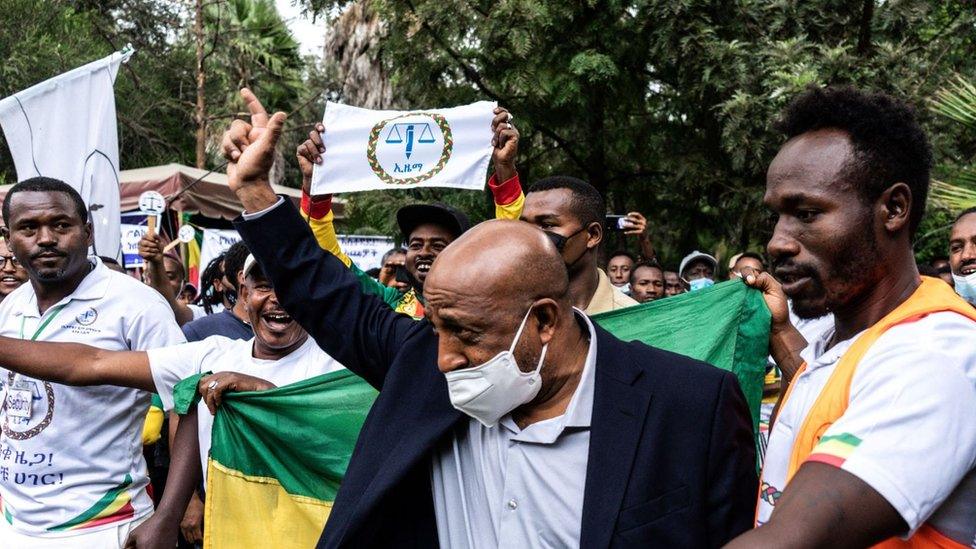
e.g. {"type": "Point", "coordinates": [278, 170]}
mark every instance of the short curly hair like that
{"type": "Point", "coordinates": [889, 144]}
{"type": "Point", "coordinates": [587, 202]}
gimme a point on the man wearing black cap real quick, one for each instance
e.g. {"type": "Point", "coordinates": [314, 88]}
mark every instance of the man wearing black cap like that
{"type": "Point", "coordinates": [428, 229]}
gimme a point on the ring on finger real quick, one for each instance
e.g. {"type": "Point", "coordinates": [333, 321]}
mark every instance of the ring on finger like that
{"type": "Point", "coordinates": [212, 385]}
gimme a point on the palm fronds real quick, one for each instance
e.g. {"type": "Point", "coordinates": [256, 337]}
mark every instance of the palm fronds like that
{"type": "Point", "coordinates": [957, 101]}
{"type": "Point", "coordinates": [956, 196]}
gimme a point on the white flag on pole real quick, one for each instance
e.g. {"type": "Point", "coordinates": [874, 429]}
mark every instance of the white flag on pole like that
{"type": "Point", "coordinates": [65, 128]}
{"type": "Point", "coordinates": [368, 150]}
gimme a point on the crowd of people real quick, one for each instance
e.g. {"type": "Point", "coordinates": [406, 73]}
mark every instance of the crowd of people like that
{"type": "Point", "coordinates": [505, 417]}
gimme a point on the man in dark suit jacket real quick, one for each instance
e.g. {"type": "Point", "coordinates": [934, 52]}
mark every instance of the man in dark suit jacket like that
{"type": "Point", "coordinates": [663, 443]}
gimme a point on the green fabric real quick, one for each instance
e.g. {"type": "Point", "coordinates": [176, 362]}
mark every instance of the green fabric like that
{"type": "Point", "coordinates": [369, 285]}
{"type": "Point", "coordinates": [185, 393]}
{"type": "Point", "coordinates": [301, 434]}
{"type": "Point", "coordinates": [726, 326]}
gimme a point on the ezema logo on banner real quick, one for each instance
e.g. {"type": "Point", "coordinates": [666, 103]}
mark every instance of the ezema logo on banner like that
{"type": "Point", "coordinates": [376, 150]}
{"type": "Point", "coordinates": [426, 137]}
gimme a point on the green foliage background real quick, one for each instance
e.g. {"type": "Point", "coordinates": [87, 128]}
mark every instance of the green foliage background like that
{"type": "Point", "coordinates": [664, 105]}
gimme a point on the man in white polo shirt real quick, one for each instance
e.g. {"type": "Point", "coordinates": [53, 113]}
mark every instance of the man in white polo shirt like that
{"type": "Point", "coordinates": [280, 353]}
{"type": "Point", "coordinates": [71, 467]}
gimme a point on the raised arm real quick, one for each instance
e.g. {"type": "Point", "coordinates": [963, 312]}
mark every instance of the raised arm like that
{"type": "Point", "coordinates": [151, 250]}
{"type": "Point", "coordinates": [317, 211]}
{"type": "Point", "coordinates": [315, 287]}
{"type": "Point", "coordinates": [87, 365]}
{"type": "Point", "coordinates": [504, 184]}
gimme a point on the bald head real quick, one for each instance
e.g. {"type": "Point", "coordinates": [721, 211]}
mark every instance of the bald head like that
{"type": "Point", "coordinates": [498, 259]}
{"type": "Point", "coordinates": [498, 275]}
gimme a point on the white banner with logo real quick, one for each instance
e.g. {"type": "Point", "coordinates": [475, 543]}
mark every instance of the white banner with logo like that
{"type": "Point", "coordinates": [65, 128]}
{"type": "Point", "coordinates": [365, 251]}
{"type": "Point", "coordinates": [367, 150]}
{"type": "Point", "coordinates": [215, 242]}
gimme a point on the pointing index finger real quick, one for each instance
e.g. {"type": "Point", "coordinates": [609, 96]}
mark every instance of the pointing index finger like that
{"type": "Point", "coordinates": [259, 116]}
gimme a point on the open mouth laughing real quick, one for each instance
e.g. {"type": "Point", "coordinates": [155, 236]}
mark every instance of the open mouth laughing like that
{"type": "Point", "coordinates": [423, 266]}
{"type": "Point", "coordinates": [277, 320]}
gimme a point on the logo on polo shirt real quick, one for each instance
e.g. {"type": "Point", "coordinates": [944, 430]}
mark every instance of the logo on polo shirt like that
{"type": "Point", "coordinates": [87, 317]}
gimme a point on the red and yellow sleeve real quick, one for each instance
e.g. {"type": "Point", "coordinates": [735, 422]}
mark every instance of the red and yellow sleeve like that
{"type": "Point", "coordinates": [509, 198]}
{"type": "Point", "coordinates": [318, 213]}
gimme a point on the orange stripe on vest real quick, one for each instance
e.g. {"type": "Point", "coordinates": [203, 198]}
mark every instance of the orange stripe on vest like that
{"type": "Point", "coordinates": [932, 296]}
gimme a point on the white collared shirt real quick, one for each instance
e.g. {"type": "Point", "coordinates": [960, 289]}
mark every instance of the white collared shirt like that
{"type": "Point", "coordinates": [171, 365]}
{"type": "Point", "coordinates": [908, 428]}
{"type": "Point", "coordinates": [75, 464]}
{"type": "Point", "coordinates": [503, 487]}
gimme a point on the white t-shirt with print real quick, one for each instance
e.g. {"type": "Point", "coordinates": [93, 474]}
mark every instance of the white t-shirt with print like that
{"type": "Point", "coordinates": [171, 365]}
{"type": "Point", "coordinates": [71, 457]}
{"type": "Point", "coordinates": [908, 431]}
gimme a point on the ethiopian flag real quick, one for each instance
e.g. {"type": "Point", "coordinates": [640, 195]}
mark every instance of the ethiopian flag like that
{"type": "Point", "coordinates": [277, 458]}
{"type": "Point", "coordinates": [726, 325]}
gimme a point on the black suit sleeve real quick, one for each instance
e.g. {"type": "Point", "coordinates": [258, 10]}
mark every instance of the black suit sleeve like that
{"type": "Point", "coordinates": [732, 478]}
{"type": "Point", "coordinates": [317, 289]}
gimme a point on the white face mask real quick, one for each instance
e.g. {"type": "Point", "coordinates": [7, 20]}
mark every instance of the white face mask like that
{"type": "Point", "coordinates": [966, 286]}
{"type": "Point", "coordinates": [495, 388]}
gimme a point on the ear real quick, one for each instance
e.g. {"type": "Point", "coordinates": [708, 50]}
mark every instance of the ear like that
{"type": "Point", "coordinates": [896, 207]}
{"type": "Point", "coordinates": [595, 233]}
{"type": "Point", "coordinates": [90, 233]}
{"type": "Point", "coordinates": [546, 313]}
{"type": "Point", "coordinates": [242, 293]}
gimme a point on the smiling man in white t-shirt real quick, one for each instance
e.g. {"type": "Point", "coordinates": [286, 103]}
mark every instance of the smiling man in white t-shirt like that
{"type": "Point", "coordinates": [874, 440]}
{"type": "Point", "coordinates": [281, 353]}
{"type": "Point", "coordinates": [71, 467]}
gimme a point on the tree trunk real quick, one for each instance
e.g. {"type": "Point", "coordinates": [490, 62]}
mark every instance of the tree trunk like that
{"type": "Point", "coordinates": [864, 36]}
{"type": "Point", "coordinates": [200, 113]}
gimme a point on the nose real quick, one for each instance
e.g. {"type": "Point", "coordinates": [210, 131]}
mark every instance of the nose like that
{"type": "Point", "coordinates": [449, 357]}
{"type": "Point", "coordinates": [46, 236]}
{"type": "Point", "coordinates": [782, 244]}
{"type": "Point", "coordinates": [968, 252]}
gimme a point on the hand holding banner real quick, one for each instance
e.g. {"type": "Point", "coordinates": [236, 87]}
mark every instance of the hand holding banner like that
{"type": "Point", "coordinates": [375, 150]}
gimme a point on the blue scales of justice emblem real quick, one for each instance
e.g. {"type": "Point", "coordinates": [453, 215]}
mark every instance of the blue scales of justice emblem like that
{"type": "Point", "coordinates": [87, 317]}
{"type": "Point", "coordinates": [407, 132]}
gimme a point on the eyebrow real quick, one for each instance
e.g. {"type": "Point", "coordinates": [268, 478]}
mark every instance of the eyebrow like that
{"type": "Point", "coordinates": [458, 322]}
{"type": "Point", "coordinates": [541, 217]}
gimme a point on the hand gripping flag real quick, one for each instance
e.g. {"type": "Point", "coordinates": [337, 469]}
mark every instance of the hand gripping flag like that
{"type": "Point", "coordinates": [726, 326]}
{"type": "Point", "coordinates": [368, 150]}
{"type": "Point", "coordinates": [277, 458]}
